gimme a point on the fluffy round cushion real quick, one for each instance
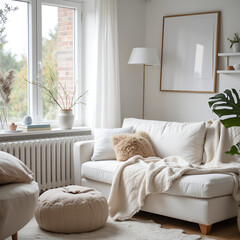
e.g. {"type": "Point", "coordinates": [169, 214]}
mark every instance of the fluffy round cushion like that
{"type": "Point", "coordinates": [71, 209]}
{"type": "Point", "coordinates": [129, 145]}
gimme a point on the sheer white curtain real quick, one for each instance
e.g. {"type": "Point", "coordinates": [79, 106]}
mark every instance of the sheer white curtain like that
{"type": "Point", "coordinates": [106, 66]}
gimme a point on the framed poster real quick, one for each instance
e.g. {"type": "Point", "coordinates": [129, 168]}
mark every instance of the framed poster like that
{"type": "Point", "coordinates": [189, 52]}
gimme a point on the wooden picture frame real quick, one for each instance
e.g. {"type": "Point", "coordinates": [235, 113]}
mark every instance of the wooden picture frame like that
{"type": "Point", "coordinates": [189, 52]}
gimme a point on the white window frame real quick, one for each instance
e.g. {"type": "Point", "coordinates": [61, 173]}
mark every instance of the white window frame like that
{"type": "Point", "coordinates": [35, 101]}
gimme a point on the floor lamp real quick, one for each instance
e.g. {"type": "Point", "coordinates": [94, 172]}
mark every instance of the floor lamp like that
{"type": "Point", "coordinates": [145, 57]}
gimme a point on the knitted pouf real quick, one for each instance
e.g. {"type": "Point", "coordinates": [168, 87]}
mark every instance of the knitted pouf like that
{"type": "Point", "coordinates": [71, 209]}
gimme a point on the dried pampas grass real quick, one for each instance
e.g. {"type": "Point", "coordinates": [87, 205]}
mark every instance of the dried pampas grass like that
{"type": "Point", "coordinates": [6, 83]}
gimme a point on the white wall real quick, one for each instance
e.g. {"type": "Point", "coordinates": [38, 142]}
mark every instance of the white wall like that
{"type": "Point", "coordinates": [186, 106]}
{"type": "Point", "coordinates": [140, 24]}
{"type": "Point", "coordinates": [132, 33]}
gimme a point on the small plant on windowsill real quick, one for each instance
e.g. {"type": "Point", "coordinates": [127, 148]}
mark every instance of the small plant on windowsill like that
{"type": "Point", "coordinates": [64, 98]}
{"type": "Point", "coordinates": [227, 106]}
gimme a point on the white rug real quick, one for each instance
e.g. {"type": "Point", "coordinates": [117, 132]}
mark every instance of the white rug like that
{"type": "Point", "coordinates": [127, 230]}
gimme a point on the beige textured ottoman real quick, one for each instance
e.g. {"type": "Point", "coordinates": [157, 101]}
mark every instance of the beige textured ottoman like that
{"type": "Point", "coordinates": [71, 209]}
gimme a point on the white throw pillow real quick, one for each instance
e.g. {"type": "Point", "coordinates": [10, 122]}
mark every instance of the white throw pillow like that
{"type": "Point", "coordinates": [173, 138]}
{"type": "Point", "coordinates": [12, 170]}
{"type": "Point", "coordinates": [103, 149]}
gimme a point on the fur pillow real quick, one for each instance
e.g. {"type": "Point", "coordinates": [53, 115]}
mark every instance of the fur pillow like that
{"type": "Point", "coordinates": [129, 145]}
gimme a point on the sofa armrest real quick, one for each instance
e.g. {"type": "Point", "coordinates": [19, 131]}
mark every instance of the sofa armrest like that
{"type": "Point", "coordinates": [82, 153]}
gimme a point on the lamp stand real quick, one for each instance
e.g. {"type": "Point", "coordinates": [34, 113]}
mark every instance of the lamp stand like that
{"type": "Point", "coordinates": [144, 66]}
{"type": "Point", "coordinates": [143, 90]}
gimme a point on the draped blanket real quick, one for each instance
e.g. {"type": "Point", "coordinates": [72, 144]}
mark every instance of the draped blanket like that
{"type": "Point", "coordinates": [139, 177]}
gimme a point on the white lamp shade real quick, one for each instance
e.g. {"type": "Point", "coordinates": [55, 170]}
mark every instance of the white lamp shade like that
{"type": "Point", "coordinates": [147, 56]}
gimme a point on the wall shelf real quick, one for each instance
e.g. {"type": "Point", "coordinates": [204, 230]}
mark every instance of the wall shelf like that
{"type": "Point", "coordinates": [228, 71]}
{"type": "Point", "coordinates": [228, 55]}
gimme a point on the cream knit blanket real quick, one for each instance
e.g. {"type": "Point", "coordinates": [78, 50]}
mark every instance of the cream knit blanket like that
{"type": "Point", "coordinates": [139, 177]}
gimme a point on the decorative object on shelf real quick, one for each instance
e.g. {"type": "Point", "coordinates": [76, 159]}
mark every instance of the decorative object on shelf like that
{"type": "Point", "coordinates": [189, 52]}
{"type": "Point", "coordinates": [6, 83]}
{"type": "Point", "coordinates": [65, 118]}
{"type": "Point", "coordinates": [235, 43]}
{"type": "Point", "coordinates": [229, 68]}
{"type": "Point", "coordinates": [145, 57]}
{"type": "Point", "coordinates": [236, 66]}
{"type": "Point", "coordinates": [13, 126]}
{"type": "Point", "coordinates": [27, 120]}
{"type": "Point", "coordinates": [64, 98]}
{"type": "Point", "coordinates": [227, 106]}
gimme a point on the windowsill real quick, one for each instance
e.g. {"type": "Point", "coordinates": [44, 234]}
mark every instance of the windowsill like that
{"type": "Point", "coordinates": [55, 132]}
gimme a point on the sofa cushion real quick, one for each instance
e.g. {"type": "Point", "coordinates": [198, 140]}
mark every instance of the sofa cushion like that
{"type": "Point", "coordinates": [103, 149]}
{"type": "Point", "coordinates": [173, 138]}
{"type": "Point", "coordinates": [129, 145]}
{"type": "Point", "coordinates": [199, 186]}
{"type": "Point", "coordinates": [102, 171]}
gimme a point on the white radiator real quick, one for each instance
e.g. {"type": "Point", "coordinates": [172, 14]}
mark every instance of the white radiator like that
{"type": "Point", "coordinates": [51, 160]}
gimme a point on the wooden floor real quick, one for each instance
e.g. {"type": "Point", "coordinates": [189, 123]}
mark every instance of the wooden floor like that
{"type": "Point", "coordinates": [221, 231]}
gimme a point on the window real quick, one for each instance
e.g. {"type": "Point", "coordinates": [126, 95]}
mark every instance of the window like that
{"type": "Point", "coordinates": [41, 43]}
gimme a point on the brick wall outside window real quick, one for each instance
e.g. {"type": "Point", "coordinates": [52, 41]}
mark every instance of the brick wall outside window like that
{"type": "Point", "coordinates": [65, 54]}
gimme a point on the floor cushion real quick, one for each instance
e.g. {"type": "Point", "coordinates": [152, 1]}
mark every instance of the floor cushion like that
{"type": "Point", "coordinates": [71, 209]}
{"type": "Point", "coordinates": [200, 185]}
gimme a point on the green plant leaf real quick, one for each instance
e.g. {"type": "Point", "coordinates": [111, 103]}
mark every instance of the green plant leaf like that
{"type": "Point", "coordinates": [227, 106]}
{"type": "Point", "coordinates": [235, 149]}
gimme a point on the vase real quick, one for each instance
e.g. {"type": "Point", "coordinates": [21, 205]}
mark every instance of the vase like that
{"type": "Point", "coordinates": [65, 118]}
{"type": "Point", "coordinates": [3, 116]}
{"type": "Point", "coordinates": [236, 47]}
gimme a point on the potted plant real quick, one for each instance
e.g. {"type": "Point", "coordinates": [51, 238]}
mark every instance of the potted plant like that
{"type": "Point", "coordinates": [64, 98]}
{"type": "Point", "coordinates": [227, 105]}
{"type": "Point", "coordinates": [235, 43]}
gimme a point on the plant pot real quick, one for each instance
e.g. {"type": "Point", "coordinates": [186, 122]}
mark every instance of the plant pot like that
{"type": "Point", "coordinates": [236, 47]}
{"type": "Point", "coordinates": [65, 118]}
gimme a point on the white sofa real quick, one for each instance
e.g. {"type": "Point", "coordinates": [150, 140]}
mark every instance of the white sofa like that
{"type": "Point", "coordinates": [204, 199]}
